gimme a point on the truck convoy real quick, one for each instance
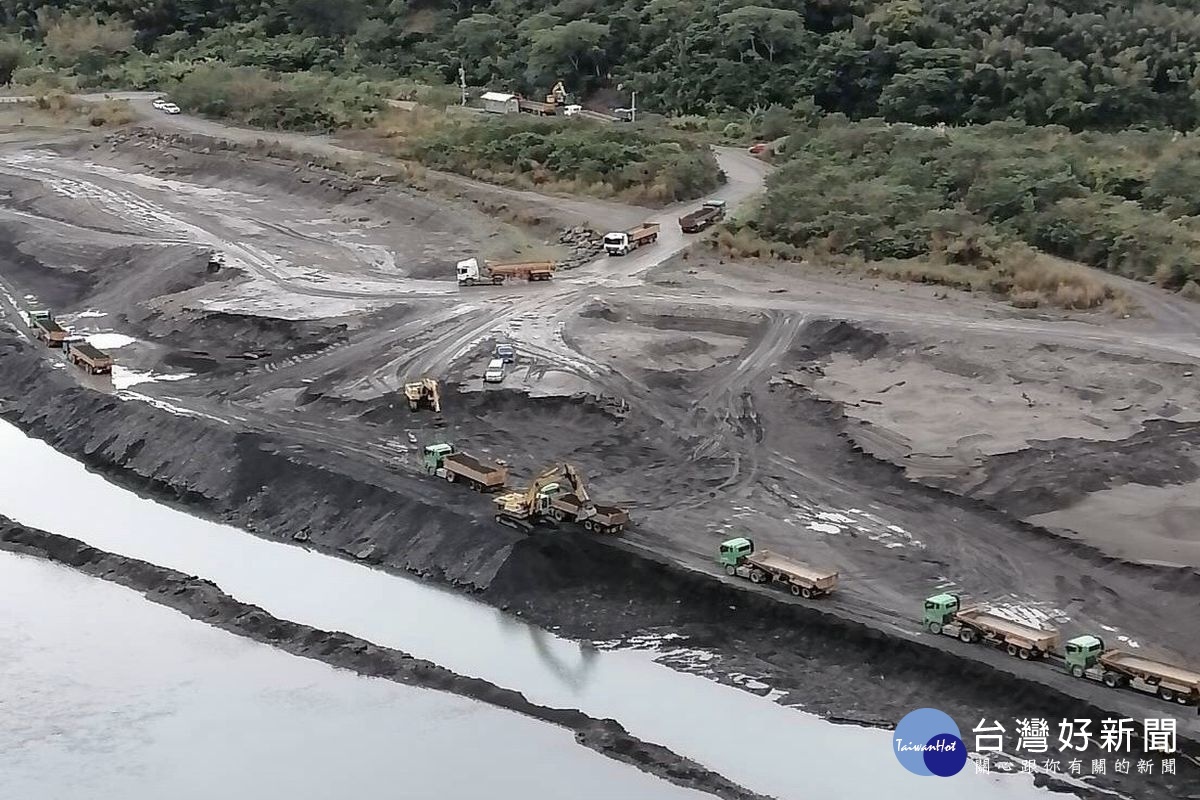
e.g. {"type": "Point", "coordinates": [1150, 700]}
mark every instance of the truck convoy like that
{"type": "Point", "coordinates": [944, 614]}
{"type": "Point", "coordinates": [471, 273]}
{"type": "Point", "coordinates": [620, 243]}
{"type": "Point", "coordinates": [444, 461]}
{"type": "Point", "coordinates": [1087, 657]}
{"type": "Point", "coordinates": [712, 212]}
{"type": "Point", "coordinates": [762, 566]}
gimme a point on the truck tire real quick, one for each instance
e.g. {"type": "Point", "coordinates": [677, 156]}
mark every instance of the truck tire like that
{"type": "Point", "coordinates": [966, 635]}
{"type": "Point", "coordinates": [497, 280]}
{"type": "Point", "coordinates": [449, 476]}
{"type": "Point", "coordinates": [558, 514]}
{"type": "Point", "coordinates": [1024, 654]}
{"type": "Point", "coordinates": [730, 570]}
{"type": "Point", "coordinates": [795, 590]}
{"type": "Point", "coordinates": [935, 627]}
{"type": "Point", "coordinates": [1183, 699]}
{"type": "Point", "coordinates": [1112, 680]}
{"type": "Point", "coordinates": [1166, 694]}
{"type": "Point", "coordinates": [1011, 649]}
{"type": "Point", "coordinates": [758, 576]}
{"type": "Point", "coordinates": [1078, 671]}
{"type": "Point", "coordinates": [588, 525]}
{"type": "Point", "coordinates": [806, 593]}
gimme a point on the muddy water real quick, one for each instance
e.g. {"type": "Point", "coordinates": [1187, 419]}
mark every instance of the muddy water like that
{"type": "Point", "coordinates": [749, 739]}
{"type": "Point", "coordinates": [106, 695]}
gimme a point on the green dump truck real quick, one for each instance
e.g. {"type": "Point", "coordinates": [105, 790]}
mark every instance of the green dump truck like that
{"type": "Point", "coordinates": [1087, 657]}
{"type": "Point", "coordinates": [740, 559]}
{"type": "Point", "coordinates": [446, 462]}
{"type": "Point", "coordinates": [944, 614]}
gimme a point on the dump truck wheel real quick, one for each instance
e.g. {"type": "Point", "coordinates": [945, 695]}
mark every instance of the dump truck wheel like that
{"type": "Point", "coordinates": [558, 514]}
{"type": "Point", "coordinates": [1024, 654]}
{"type": "Point", "coordinates": [1078, 671]}
{"type": "Point", "coordinates": [758, 576]}
{"type": "Point", "coordinates": [966, 635]}
{"type": "Point", "coordinates": [449, 476]}
{"type": "Point", "coordinates": [935, 627]}
{"type": "Point", "coordinates": [587, 525]}
{"type": "Point", "coordinates": [1112, 680]}
{"type": "Point", "coordinates": [730, 570]}
{"type": "Point", "coordinates": [1183, 699]}
{"type": "Point", "coordinates": [806, 593]}
{"type": "Point", "coordinates": [1011, 649]}
{"type": "Point", "coordinates": [795, 590]}
{"type": "Point", "coordinates": [1166, 694]}
{"type": "Point", "coordinates": [497, 280]}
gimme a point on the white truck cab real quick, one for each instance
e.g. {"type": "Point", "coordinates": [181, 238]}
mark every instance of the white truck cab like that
{"type": "Point", "coordinates": [617, 243]}
{"type": "Point", "coordinates": [467, 270]}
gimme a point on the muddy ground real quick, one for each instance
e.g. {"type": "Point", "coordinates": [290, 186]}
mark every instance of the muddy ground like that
{"type": "Point", "coordinates": [915, 441]}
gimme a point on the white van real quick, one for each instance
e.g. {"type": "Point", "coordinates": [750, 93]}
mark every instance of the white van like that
{"type": "Point", "coordinates": [495, 371]}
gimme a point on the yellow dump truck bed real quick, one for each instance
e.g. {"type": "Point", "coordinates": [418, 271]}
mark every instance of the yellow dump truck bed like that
{"type": "Point", "coordinates": [798, 570]}
{"type": "Point", "coordinates": [1140, 665]}
{"type": "Point", "coordinates": [988, 621]}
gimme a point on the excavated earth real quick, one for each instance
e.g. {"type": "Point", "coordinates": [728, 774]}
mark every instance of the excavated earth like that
{"type": "Point", "coordinates": [917, 444]}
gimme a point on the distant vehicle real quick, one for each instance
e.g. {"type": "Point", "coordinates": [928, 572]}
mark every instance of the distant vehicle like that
{"type": "Point", "coordinates": [495, 371]}
{"type": "Point", "coordinates": [160, 104]}
{"type": "Point", "coordinates": [623, 114]}
{"type": "Point", "coordinates": [505, 353]}
{"type": "Point", "coordinates": [469, 272]}
{"type": "Point", "coordinates": [171, 108]}
{"type": "Point", "coordinates": [758, 148]}
{"type": "Point", "coordinates": [619, 243]}
{"type": "Point", "coordinates": [571, 110]}
{"type": "Point", "coordinates": [710, 213]}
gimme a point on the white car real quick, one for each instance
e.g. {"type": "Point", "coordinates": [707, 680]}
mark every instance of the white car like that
{"type": "Point", "coordinates": [160, 104]}
{"type": "Point", "coordinates": [495, 371]}
{"type": "Point", "coordinates": [171, 108]}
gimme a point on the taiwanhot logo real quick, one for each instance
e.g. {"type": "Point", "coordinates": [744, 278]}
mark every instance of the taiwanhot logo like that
{"type": "Point", "coordinates": [927, 742]}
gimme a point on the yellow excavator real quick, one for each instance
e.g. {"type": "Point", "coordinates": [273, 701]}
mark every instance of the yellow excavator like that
{"type": "Point", "coordinates": [522, 510]}
{"type": "Point", "coordinates": [424, 392]}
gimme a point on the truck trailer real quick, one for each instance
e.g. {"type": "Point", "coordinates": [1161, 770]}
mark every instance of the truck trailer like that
{"type": "Point", "coordinates": [762, 566]}
{"type": "Point", "coordinates": [620, 243]}
{"type": "Point", "coordinates": [598, 518]}
{"type": "Point", "coordinates": [944, 614]}
{"type": "Point", "coordinates": [470, 273]}
{"type": "Point", "coordinates": [1087, 657]}
{"type": "Point", "coordinates": [712, 212]}
{"type": "Point", "coordinates": [95, 361]}
{"type": "Point", "coordinates": [46, 329]}
{"type": "Point", "coordinates": [446, 462]}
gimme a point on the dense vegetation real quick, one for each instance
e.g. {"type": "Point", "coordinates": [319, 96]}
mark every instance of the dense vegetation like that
{"type": "Point", "coordinates": [1126, 202]}
{"type": "Point", "coordinates": [1079, 63]}
{"type": "Point", "coordinates": [564, 154]}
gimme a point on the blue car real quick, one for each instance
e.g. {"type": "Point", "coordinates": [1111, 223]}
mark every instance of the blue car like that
{"type": "Point", "coordinates": [506, 353]}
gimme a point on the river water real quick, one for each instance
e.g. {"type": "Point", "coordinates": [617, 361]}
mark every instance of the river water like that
{"type": "Point", "coordinates": [749, 739]}
{"type": "Point", "coordinates": [104, 695]}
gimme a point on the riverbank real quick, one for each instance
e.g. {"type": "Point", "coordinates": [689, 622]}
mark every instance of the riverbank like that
{"type": "Point", "coordinates": [587, 588]}
{"type": "Point", "coordinates": [205, 601]}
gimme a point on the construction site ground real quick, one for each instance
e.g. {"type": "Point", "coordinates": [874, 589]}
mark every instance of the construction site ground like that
{"type": "Point", "coordinates": [1043, 464]}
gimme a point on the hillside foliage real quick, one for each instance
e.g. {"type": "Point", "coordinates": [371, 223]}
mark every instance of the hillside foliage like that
{"type": "Point", "coordinates": [1078, 63]}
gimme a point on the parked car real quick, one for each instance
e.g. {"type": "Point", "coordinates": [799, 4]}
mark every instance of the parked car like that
{"type": "Point", "coordinates": [757, 148]}
{"type": "Point", "coordinates": [494, 372]}
{"type": "Point", "coordinates": [171, 108]}
{"type": "Point", "coordinates": [505, 353]}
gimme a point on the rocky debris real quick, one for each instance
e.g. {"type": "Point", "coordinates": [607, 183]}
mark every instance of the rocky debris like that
{"type": "Point", "coordinates": [583, 244]}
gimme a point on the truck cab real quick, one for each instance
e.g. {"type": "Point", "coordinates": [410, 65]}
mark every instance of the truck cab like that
{"type": "Point", "coordinates": [495, 371]}
{"type": "Point", "coordinates": [617, 243]}
{"type": "Point", "coordinates": [1082, 653]}
{"type": "Point", "coordinates": [505, 353]}
{"type": "Point", "coordinates": [733, 551]}
{"type": "Point", "coordinates": [940, 609]}
{"type": "Point", "coordinates": [435, 454]}
{"type": "Point", "coordinates": [467, 270]}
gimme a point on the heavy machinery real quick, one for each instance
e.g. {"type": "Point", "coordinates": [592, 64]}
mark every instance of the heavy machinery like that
{"type": "Point", "coordinates": [470, 273]}
{"type": "Point", "coordinates": [944, 614]}
{"type": "Point", "coordinates": [762, 566]}
{"type": "Point", "coordinates": [711, 212]}
{"type": "Point", "coordinates": [444, 461]}
{"type": "Point", "coordinates": [523, 510]}
{"type": "Point", "coordinates": [1087, 657]}
{"type": "Point", "coordinates": [619, 243]}
{"type": "Point", "coordinates": [577, 505]}
{"type": "Point", "coordinates": [558, 95]}
{"type": "Point", "coordinates": [424, 392]}
{"type": "Point", "coordinates": [46, 329]}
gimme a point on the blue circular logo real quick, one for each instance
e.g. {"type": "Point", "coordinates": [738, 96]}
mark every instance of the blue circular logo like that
{"type": "Point", "coordinates": [927, 742]}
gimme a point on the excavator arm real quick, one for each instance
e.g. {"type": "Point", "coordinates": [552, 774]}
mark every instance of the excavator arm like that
{"type": "Point", "coordinates": [578, 487]}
